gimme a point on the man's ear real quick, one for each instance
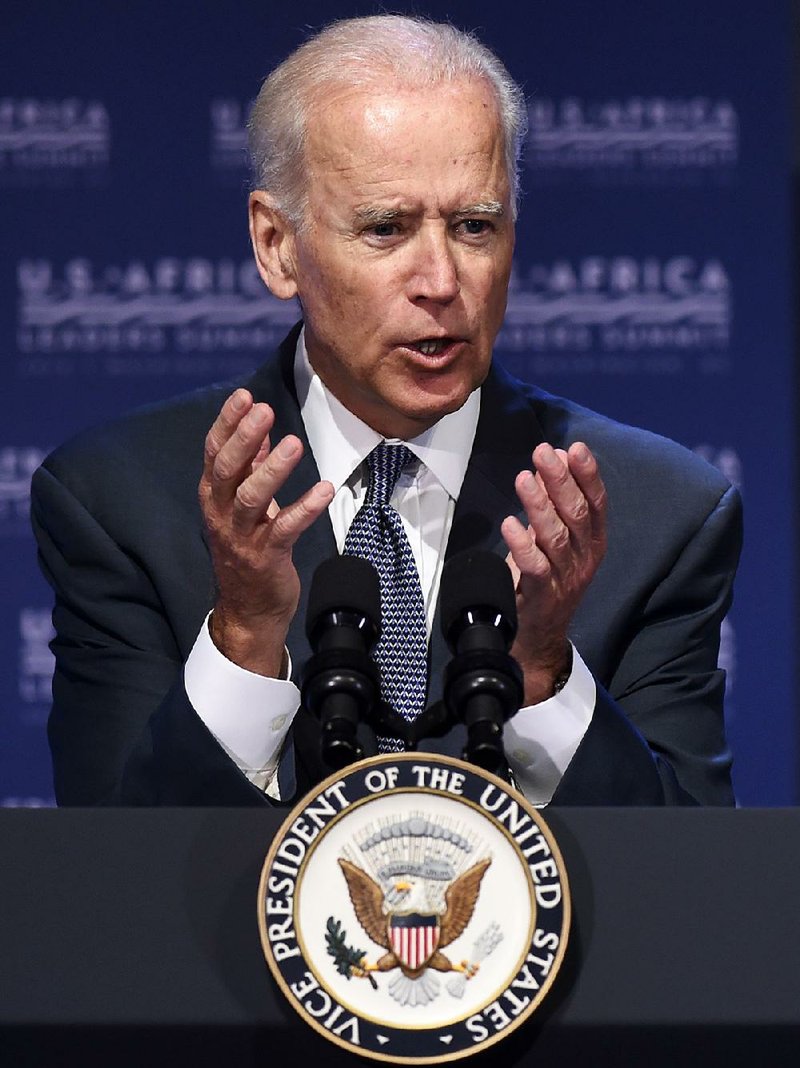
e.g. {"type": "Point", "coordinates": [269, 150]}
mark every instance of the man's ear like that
{"type": "Point", "coordinates": [272, 238]}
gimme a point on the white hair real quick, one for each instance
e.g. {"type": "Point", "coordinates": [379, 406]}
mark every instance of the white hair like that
{"type": "Point", "coordinates": [369, 52]}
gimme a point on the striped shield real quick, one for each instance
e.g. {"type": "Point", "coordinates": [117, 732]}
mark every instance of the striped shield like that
{"type": "Point", "coordinates": [414, 938]}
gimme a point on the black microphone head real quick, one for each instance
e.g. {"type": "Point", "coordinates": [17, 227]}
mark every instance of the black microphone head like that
{"type": "Point", "coordinates": [344, 584]}
{"type": "Point", "coordinates": [476, 580]}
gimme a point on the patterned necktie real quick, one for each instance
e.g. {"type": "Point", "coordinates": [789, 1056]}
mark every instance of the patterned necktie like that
{"type": "Point", "coordinates": [377, 534]}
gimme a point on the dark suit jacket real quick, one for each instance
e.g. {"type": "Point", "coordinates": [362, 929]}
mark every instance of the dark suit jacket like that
{"type": "Point", "coordinates": [121, 541]}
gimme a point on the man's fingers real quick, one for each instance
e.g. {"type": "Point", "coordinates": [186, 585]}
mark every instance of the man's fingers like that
{"type": "Point", "coordinates": [234, 460]}
{"type": "Point", "coordinates": [565, 504]}
{"type": "Point", "coordinates": [566, 495]}
{"type": "Point", "coordinates": [586, 473]}
{"type": "Point", "coordinates": [524, 555]}
{"type": "Point", "coordinates": [291, 521]}
{"type": "Point", "coordinates": [232, 412]}
{"type": "Point", "coordinates": [254, 495]}
{"type": "Point", "coordinates": [551, 534]}
{"type": "Point", "coordinates": [261, 455]}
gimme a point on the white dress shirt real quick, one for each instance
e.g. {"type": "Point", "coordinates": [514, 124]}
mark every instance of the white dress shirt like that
{"type": "Point", "coordinates": [250, 715]}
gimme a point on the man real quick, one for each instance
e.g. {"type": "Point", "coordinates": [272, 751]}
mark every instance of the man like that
{"type": "Point", "coordinates": [385, 156]}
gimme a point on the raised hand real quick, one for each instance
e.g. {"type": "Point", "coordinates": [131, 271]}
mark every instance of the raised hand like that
{"type": "Point", "coordinates": [250, 535]}
{"type": "Point", "coordinates": [554, 558]}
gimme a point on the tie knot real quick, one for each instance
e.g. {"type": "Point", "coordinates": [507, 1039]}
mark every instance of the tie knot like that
{"type": "Point", "coordinates": [385, 464]}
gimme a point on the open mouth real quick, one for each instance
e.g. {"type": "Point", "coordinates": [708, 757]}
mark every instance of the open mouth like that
{"type": "Point", "coordinates": [432, 346]}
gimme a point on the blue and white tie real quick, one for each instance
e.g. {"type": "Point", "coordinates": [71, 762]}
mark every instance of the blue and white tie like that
{"type": "Point", "coordinates": [377, 535]}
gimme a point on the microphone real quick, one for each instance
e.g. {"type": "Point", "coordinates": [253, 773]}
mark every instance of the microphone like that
{"type": "Point", "coordinates": [340, 684]}
{"type": "Point", "coordinates": [483, 683]}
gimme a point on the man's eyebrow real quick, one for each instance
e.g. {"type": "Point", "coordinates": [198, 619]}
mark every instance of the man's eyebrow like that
{"type": "Point", "coordinates": [378, 216]}
{"type": "Point", "coordinates": [373, 216]}
{"type": "Point", "coordinates": [483, 207]}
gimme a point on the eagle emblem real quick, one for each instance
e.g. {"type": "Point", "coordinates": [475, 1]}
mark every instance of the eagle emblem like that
{"type": "Point", "coordinates": [414, 893]}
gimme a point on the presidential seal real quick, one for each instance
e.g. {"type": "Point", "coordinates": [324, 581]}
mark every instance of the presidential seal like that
{"type": "Point", "coordinates": [414, 909]}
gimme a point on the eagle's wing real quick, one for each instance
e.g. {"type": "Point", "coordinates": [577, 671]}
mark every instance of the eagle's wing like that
{"type": "Point", "coordinates": [460, 901]}
{"type": "Point", "coordinates": [367, 898]}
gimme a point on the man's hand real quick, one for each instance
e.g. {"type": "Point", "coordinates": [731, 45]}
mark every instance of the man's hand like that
{"type": "Point", "coordinates": [554, 559]}
{"type": "Point", "coordinates": [250, 535]}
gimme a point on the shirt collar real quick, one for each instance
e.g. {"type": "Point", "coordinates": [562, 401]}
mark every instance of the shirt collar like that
{"type": "Point", "coordinates": [340, 441]}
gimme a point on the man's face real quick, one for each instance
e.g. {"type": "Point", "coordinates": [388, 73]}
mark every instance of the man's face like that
{"type": "Point", "coordinates": [403, 265]}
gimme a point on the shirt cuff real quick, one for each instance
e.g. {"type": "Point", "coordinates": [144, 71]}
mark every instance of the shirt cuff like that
{"type": "Point", "coordinates": [542, 739]}
{"type": "Point", "coordinates": [248, 714]}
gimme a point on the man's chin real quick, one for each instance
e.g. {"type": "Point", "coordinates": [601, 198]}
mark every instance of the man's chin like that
{"type": "Point", "coordinates": [421, 416]}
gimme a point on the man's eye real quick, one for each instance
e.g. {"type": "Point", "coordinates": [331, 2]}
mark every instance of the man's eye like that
{"type": "Point", "coordinates": [384, 229]}
{"type": "Point", "coordinates": [474, 227]}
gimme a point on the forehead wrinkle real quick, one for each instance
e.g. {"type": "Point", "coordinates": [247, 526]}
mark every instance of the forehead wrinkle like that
{"type": "Point", "coordinates": [380, 173]}
{"type": "Point", "coordinates": [341, 155]}
{"type": "Point", "coordinates": [366, 149]}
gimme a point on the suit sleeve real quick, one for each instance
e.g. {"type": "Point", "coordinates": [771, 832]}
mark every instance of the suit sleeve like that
{"type": "Point", "coordinates": [121, 730]}
{"type": "Point", "coordinates": [657, 735]}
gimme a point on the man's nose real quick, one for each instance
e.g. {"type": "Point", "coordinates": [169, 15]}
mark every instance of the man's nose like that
{"type": "Point", "coordinates": [435, 277]}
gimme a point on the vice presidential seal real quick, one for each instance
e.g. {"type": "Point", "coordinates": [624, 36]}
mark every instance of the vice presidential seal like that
{"type": "Point", "coordinates": [414, 909]}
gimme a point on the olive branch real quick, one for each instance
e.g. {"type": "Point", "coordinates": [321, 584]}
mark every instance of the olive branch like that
{"type": "Point", "coordinates": [345, 957]}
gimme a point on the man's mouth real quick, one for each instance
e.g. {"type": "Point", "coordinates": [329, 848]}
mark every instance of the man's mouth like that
{"type": "Point", "coordinates": [432, 346]}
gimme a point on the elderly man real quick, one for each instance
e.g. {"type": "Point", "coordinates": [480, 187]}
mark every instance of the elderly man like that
{"type": "Point", "coordinates": [385, 154]}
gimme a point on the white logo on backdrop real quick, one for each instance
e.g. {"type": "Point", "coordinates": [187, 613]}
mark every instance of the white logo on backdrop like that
{"type": "Point", "coordinates": [175, 307]}
{"type": "Point", "coordinates": [61, 136]}
{"type": "Point", "coordinates": [608, 304]}
{"type": "Point", "coordinates": [633, 136]}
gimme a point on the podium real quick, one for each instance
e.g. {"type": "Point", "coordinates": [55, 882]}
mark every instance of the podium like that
{"type": "Point", "coordinates": [129, 937]}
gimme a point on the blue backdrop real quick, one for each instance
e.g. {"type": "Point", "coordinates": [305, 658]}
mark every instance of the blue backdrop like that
{"type": "Point", "coordinates": [651, 278]}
